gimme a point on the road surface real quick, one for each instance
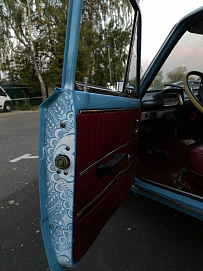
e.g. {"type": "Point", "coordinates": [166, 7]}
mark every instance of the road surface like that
{"type": "Point", "coordinates": [141, 236]}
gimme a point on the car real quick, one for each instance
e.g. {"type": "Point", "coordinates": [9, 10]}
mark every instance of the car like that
{"type": "Point", "coordinates": [5, 101]}
{"type": "Point", "coordinates": [96, 144]}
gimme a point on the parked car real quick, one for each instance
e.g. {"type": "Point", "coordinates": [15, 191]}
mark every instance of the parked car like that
{"type": "Point", "coordinates": [5, 101]}
{"type": "Point", "coordinates": [96, 144]}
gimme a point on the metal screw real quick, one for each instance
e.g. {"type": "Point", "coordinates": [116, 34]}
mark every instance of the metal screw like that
{"type": "Point", "coordinates": [67, 148]}
{"type": "Point", "coordinates": [58, 171]}
{"type": "Point", "coordinates": [62, 125]}
{"type": "Point", "coordinates": [65, 172]}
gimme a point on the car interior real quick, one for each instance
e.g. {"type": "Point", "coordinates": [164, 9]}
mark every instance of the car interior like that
{"type": "Point", "coordinates": [171, 142]}
{"type": "Point", "coordinates": [171, 131]}
{"type": "Point", "coordinates": [171, 138]}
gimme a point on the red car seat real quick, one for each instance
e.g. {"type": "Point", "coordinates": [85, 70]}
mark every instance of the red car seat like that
{"type": "Point", "coordinates": [195, 164]}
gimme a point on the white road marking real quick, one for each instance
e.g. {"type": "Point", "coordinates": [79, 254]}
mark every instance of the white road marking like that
{"type": "Point", "coordinates": [25, 156]}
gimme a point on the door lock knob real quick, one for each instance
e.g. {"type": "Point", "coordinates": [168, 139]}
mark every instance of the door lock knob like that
{"type": "Point", "coordinates": [62, 161]}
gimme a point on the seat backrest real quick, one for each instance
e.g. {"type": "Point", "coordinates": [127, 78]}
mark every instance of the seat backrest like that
{"type": "Point", "coordinates": [195, 159]}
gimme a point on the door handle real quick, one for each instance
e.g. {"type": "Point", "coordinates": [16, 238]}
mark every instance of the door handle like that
{"type": "Point", "coordinates": [106, 168]}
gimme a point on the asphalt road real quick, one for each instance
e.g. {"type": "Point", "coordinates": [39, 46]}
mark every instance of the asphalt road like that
{"type": "Point", "coordinates": [141, 236]}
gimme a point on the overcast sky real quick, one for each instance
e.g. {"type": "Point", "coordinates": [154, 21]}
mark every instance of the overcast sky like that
{"type": "Point", "coordinates": [158, 18]}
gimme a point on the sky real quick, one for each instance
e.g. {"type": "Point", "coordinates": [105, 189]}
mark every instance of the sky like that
{"type": "Point", "coordinates": [158, 18]}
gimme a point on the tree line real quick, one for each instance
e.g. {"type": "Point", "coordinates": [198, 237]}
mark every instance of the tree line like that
{"type": "Point", "coordinates": [174, 76]}
{"type": "Point", "coordinates": [33, 40]}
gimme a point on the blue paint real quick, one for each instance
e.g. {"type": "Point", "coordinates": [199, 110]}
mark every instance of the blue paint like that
{"type": "Point", "coordinates": [50, 235]}
{"type": "Point", "coordinates": [72, 40]}
{"type": "Point", "coordinates": [57, 189]}
{"type": "Point", "coordinates": [88, 101]}
{"type": "Point", "coordinates": [51, 256]}
{"type": "Point", "coordinates": [156, 193]}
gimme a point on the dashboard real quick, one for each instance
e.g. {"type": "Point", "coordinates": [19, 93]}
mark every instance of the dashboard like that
{"type": "Point", "coordinates": [172, 99]}
{"type": "Point", "coordinates": [156, 103]}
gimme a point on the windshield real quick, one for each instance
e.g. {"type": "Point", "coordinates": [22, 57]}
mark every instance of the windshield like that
{"type": "Point", "coordinates": [186, 56]}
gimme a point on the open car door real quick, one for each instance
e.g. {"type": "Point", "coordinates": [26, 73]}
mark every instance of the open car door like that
{"type": "Point", "coordinates": [88, 147]}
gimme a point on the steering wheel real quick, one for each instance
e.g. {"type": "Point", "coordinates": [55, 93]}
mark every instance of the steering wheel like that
{"type": "Point", "coordinates": [196, 102]}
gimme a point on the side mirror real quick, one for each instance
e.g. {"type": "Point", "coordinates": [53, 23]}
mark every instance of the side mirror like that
{"type": "Point", "coordinates": [129, 89]}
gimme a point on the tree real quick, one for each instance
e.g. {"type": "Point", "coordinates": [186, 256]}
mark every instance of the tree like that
{"type": "Point", "coordinates": [177, 74]}
{"type": "Point", "coordinates": [52, 39]}
{"type": "Point", "coordinates": [34, 40]}
{"type": "Point", "coordinates": [19, 18]}
{"type": "Point", "coordinates": [104, 23]}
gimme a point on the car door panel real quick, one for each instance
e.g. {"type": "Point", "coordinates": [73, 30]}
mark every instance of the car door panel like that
{"type": "Point", "coordinates": [88, 227]}
{"type": "Point", "coordinates": [101, 138]}
{"type": "Point", "coordinates": [97, 137]}
{"type": "Point", "coordinates": [56, 188]}
{"type": "Point", "coordinates": [77, 199]}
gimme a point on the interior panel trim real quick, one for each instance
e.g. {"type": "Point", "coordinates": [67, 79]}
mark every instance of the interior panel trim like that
{"type": "Point", "coordinates": [106, 188]}
{"type": "Point", "coordinates": [91, 111]}
{"type": "Point", "coordinates": [107, 155]}
{"type": "Point", "coordinates": [168, 200]}
{"type": "Point", "coordinates": [172, 189]}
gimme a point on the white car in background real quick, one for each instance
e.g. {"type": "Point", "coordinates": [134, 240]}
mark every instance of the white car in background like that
{"type": "Point", "coordinates": [5, 101]}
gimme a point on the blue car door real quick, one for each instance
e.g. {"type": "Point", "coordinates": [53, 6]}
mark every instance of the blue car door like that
{"type": "Point", "coordinates": [88, 145]}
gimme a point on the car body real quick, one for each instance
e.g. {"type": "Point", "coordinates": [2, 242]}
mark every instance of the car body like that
{"type": "Point", "coordinates": [95, 144]}
{"type": "Point", "coordinates": [5, 101]}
